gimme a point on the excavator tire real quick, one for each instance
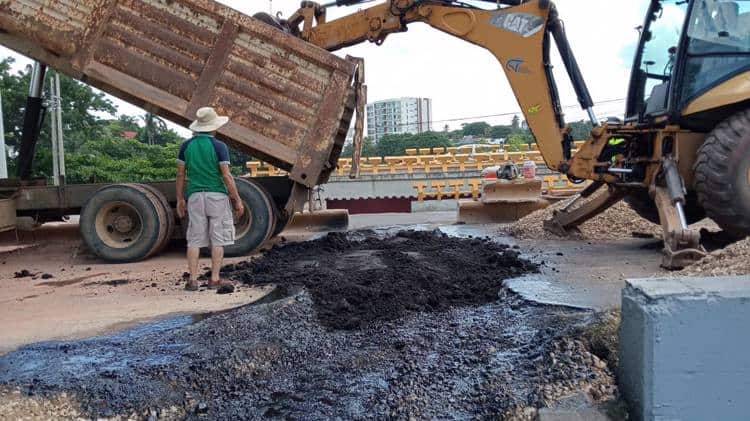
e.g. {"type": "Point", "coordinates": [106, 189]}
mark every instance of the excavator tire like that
{"type": "Point", "coordinates": [722, 174]}
{"type": "Point", "coordinates": [645, 207]}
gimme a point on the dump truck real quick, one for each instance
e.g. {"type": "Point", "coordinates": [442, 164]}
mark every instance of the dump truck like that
{"type": "Point", "coordinates": [290, 104]}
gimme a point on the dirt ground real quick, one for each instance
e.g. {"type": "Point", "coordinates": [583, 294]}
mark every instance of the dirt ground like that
{"type": "Point", "coordinates": [405, 324]}
{"type": "Point", "coordinates": [70, 294]}
{"type": "Point", "coordinates": [412, 317]}
{"type": "Point", "coordinates": [85, 297]}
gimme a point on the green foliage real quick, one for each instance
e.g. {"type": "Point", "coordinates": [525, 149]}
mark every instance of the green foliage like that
{"type": "Point", "coordinates": [121, 160]}
{"type": "Point", "coordinates": [154, 130]}
{"type": "Point", "coordinates": [500, 132]}
{"type": "Point", "coordinates": [81, 107]}
{"type": "Point", "coordinates": [480, 129]}
{"type": "Point", "coordinates": [368, 149]}
{"type": "Point", "coordinates": [581, 130]}
{"type": "Point", "coordinates": [395, 145]}
{"type": "Point", "coordinates": [518, 139]}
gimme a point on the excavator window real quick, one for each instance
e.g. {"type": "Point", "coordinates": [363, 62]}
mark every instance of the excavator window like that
{"type": "Point", "coordinates": [718, 44]}
{"type": "Point", "coordinates": [660, 37]}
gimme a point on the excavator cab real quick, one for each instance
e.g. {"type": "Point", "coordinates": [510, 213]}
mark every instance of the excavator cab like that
{"type": "Point", "coordinates": [689, 104]}
{"type": "Point", "coordinates": [686, 49]}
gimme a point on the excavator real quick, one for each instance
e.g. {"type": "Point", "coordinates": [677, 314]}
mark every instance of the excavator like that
{"type": "Point", "coordinates": [682, 151]}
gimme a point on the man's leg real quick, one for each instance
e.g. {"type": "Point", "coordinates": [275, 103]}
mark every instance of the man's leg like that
{"type": "Point", "coordinates": [193, 253]}
{"type": "Point", "coordinates": [197, 236]}
{"type": "Point", "coordinates": [221, 231]}
{"type": "Point", "coordinates": [217, 256]}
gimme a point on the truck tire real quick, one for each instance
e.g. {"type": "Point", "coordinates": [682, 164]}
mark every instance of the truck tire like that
{"type": "Point", "coordinates": [122, 223]}
{"type": "Point", "coordinates": [169, 215]}
{"type": "Point", "coordinates": [161, 214]}
{"type": "Point", "coordinates": [645, 207]}
{"type": "Point", "coordinates": [258, 222]}
{"type": "Point", "coordinates": [722, 174]}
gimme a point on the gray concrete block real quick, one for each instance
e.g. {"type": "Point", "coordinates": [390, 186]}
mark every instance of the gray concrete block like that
{"type": "Point", "coordinates": [685, 348]}
{"type": "Point", "coordinates": [435, 205]}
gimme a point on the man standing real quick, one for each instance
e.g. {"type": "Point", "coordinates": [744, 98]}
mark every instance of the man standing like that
{"type": "Point", "coordinates": [209, 186]}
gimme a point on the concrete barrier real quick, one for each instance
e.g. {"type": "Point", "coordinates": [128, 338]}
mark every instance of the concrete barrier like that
{"type": "Point", "coordinates": [685, 348]}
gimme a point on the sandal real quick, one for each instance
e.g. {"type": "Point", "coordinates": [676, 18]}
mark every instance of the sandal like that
{"type": "Point", "coordinates": [192, 286]}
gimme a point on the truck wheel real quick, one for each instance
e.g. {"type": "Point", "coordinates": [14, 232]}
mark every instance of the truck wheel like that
{"type": "Point", "coordinates": [257, 223]}
{"type": "Point", "coordinates": [169, 215]}
{"type": "Point", "coordinates": [122, 223]}
{"type": "Point", "coordinates": [645, 207]}
{"type": "Point", "coordinates": [722, 174]}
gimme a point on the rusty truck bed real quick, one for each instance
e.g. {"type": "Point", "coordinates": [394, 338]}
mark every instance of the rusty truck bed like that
{"type": "Point", "coordinates": [290, 103]}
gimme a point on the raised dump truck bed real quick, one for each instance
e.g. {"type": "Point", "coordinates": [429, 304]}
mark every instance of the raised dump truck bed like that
{"type": "Point", "coordinates": [290, 103]}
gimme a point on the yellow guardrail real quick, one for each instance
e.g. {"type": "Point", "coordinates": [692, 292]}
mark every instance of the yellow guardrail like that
{"type": "Point", "coordinates": [423, 160]}
{"type": "Point", "coordinates": [471, 188]}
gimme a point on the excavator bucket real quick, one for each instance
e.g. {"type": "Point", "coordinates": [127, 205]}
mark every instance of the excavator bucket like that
{"type": "Point", "coordinates": [515, 191]}
{"type": "Point", "coordinates": [321, 220]}
{"type": "Point", "coordinates": [471, 212]}
{"type": "Point", "coordinates": [503, 201]}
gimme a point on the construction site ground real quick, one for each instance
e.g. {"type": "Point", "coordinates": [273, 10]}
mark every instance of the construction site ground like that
{"type": "Point", "coordinates": [406, 315]}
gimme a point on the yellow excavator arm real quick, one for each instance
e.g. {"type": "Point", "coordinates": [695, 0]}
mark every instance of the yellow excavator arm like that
{"type": "Point", "coordinates": [518, 35]}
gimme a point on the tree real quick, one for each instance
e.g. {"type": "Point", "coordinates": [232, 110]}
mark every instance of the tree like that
{"type": "Point", "coordinates": [480, 129]}
{"type": "Point", "coordinates": [515, 123]}
{"type": "Point", "coordinates": [500, 132]}
{"type": "Point", "coordinates": [121, 160]}
{"type": "Point", "coordinates": [368, 149]}
{"type": "Point", "coordinates": [581, 130]}
{"type": "Point", "coordinates": [153, 127]}
{"type": "Point", "coordinates": [396, 144]}
{"type": "Point", "coordinates": [82, 108]}
{"type": "Point", "coordinates": [518, 139]}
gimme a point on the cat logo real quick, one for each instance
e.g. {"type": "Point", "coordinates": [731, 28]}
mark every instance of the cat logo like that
{"type": "Point", "coordinates": [535, 109]}
{"type": "Point", "coordinates": [517, 65]}
{"type": "Point", "coordinates": [522, 24]}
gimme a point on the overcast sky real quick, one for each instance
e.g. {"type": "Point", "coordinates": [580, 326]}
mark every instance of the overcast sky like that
{"type": "Point", "coordinates": [464, 80]}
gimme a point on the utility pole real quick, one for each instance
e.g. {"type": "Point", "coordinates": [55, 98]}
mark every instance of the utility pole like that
{"type": "Point", "coordinates": [3, 155]}
{"type": "Point", "coordinates": [60, 142]}
{"type": "Point", "coordinates": [58, 148]}
{"type": "Point", "coordinates": [270, 7]}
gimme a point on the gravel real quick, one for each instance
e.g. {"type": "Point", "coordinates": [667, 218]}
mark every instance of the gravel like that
{"type": "Point", "coordinates": [732, 260]}
{"type": "Point", "coordinates": [617, 222]}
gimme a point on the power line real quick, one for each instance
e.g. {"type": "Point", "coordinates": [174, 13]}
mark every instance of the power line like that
{"type": "Point", "coordinates": [503, 114]}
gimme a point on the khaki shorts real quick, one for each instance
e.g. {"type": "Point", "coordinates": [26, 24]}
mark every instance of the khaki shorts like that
{"type": "Point", "coordinates": [210, 220]}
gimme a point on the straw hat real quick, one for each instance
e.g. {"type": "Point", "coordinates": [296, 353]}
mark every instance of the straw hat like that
{"type": "Point", "coordinates": [207, 120]}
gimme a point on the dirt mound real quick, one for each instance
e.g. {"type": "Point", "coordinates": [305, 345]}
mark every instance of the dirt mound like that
{"type": "Point", "coordinates": [729, 261]}
{"type": "Point", "coordinates": [617, 222]}
{"type": "Point", "coordinates": [359, 278]}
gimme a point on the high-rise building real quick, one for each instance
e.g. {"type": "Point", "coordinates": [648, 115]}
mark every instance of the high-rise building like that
{"type": "Point", "coordinates": [399, 115]}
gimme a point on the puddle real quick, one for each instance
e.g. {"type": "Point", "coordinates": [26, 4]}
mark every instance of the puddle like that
{"type": "Point", "coordinates": [62, 362]}
{"type": "Point", "coordinates": [541, 289]}
{"type": "Point", "coordinates": [134, 349]}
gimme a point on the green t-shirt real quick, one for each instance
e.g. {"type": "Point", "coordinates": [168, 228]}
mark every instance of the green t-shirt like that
{"type": "Point", "coordinates": [202, 156]}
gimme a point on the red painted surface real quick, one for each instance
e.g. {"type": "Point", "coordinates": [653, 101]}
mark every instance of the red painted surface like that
{"type": "Point", "coordinates": [359, 206]}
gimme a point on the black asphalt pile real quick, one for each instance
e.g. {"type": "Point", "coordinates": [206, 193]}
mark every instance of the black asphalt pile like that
{"type": "Point", "coordinates": [361, 278]}
{"type": "Point", "coordinates": [486, 354]}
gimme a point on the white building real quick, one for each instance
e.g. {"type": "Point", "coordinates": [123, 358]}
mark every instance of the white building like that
{"type": "Point", "coordinates": [399, 115]}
